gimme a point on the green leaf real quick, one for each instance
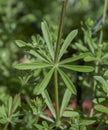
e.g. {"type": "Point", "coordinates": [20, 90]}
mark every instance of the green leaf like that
{"type": "Point", "coordinates": [65, 101]}
{"type": "Point", "coordinates": [105, 56]}
{"type": "Point", "coordinates": [81, 47]}
{"type": "Point", "coordinates": [37, 55]}
{"type": "Point", "coordinates": [89, 41]}
{"type": "Point", "coordinates": [106, 74]}
{"type": "Point", "coordinates": [16, 102]}
{"type": "Point", "coordinates": [70, 114]}
{"type": "Point", "coordinates": [101, 108]}
{"type": "Point", "coordinates": [82, 127]}
{"type": "Point", "coordinates": [100, 100]}
{"type": "Point", "coordinates": [106, 121]}
{"type": "Point", "coordinates": [87, 122]}
{"type": "Point", "coordinates": [47, 37]}
{"type": "Point", "coordinates": [3, 113]}
{"type": "Point", "coordinates": [39, 89]}
{"type": "Point", "coordinates": [46, 96]}
{"type": "Point", "coordinates": [67, 42]}
{"type": "Point", "coordinates": [10, 105]}
{"type": "Point", "coordinates": [78, 68]}
{"type": "Point", "coordinates": [45, 55]}
{"type": "Point", "coordinates": [31, 66]}
{"type": "Point", "coordinates": [89, 58]}
{"type": "Point", "coordinates": [21, 43]}
{"type": "Point", "coordinates": [67, 82]}
{"type": "Point", "coordinates": [74, 58]}
{"type": "Point", "coordinates": [38, 127]}
{"type": "Point", "coordinates": [102, 82]}
{"type": "Point", "coordinates": [46, 118]}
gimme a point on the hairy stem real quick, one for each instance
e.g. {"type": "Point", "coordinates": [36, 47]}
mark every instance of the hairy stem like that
{"type": "Point", "coordinates": [60, 31]}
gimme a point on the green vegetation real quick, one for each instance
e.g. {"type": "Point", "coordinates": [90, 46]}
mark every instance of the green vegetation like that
{"type": "Point", "coordinates": [46, 63]}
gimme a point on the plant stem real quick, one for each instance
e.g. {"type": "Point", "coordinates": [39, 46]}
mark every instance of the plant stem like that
{"type": "Point", "coordinates": [56, 95]}
{"type": "Point", "coordinates": [60, 31]}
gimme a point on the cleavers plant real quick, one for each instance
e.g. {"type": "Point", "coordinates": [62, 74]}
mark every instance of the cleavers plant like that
{"type": "Point", "coordinates": [49, 56]}
{"type": "Point", "coordinates": [46, 62]}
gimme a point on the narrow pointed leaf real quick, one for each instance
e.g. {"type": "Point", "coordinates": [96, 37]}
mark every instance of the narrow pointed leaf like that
{"type": "Point", "coordinates": [45, 55]}
{"type": "Point", "coordinates": [37, 55]}
{"type": "Point", "coordinates": [78, 68]}
{"type": "Point", "coordinates": [89, 58]}
{"type": "Point", "coordinates": [16, 102]}
{"type": "Point", "coordinates": [89, 41]}
{"type": "Point", "coordinates": [31, 66]}
{"type": "Point", "coordinates": [81, 47]}
{"type": "Point", "coordinates": [67, 82]}
{"type": "Point", "coordinates": [74, 58]}
{"type": "Point", "coordinates": [101, 108]}
{"type": "Point", "coordinates": [106, 74]}
{"type": "Point", "coordinates": [67, 42]}
{"type": "Point", "coordinates": [65, 101]}
{"type": "Point", "coordinates": [90, 44]}
{"type": "Point", "coordinates": [70, 114]}
{"type": "Point", "coordinates": [21, 43]}
{"type": "Point", "coordinates": [46, 96]}
{"type": "Point", "coordinates": [47, 37]}
{"type": "Point", "coordinates": [87, 122]}
{"type": "Point", "coordinates": [40, 88]}
{"type": "Point", "coordinates": [102, 82]}
{"type": "Point", "coordinates": [38, 127]}
{"type": "Point", "coordinates": [46, 118]}
{"type": "Point", "coordinates": [10, 105]}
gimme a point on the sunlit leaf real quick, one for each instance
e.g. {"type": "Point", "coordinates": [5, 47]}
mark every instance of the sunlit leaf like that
{"type": "Point", "coordinates": [47, 38]}
{"type": "Point", "coordinates": [67, 42]}
{"type": "Point", "coordinates": [67, 82]}
{"type": "Point", "coordinates": [78, 68]}
{"type": "Point", "coordinates": [39, 88]}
